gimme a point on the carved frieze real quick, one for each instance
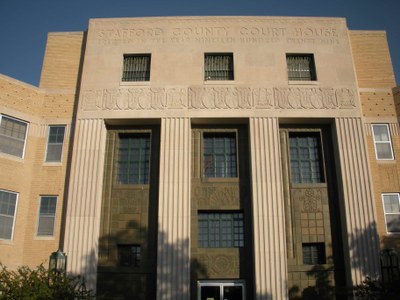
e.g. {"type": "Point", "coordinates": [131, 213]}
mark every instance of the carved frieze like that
{"type": "Point", "coordinates": [218, 97]}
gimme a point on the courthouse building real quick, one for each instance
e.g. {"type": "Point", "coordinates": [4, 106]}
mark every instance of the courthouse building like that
{"type": "Point", "coordinates": [204, 157]}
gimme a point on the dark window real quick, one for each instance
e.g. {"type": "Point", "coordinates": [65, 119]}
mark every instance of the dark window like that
{"type": "Point", "coordinates": [305, 158]}
{"type": "Point", "coordinates": [133, 158]}
{"type": "Point", "coordinates": [136, 67]}
{"type": "Point", "coordinates": [220, 155]}
{"type": "Point", "coordinates": [301, 67]}
{"type": "Point", "coordinates": [221, 229]}
{"type": "Point", "coordinates": [55, 143]}
{"type": "Point", "coordinates": [391, 205]}
{"type": "Point", "coordinates": [314, 254]}
{"type": "Point", "coordinates": [128, 255]}
{"type": "Point", "coordinates": [12, 136]}
{"type": "Point", "coordinates": [8, 207]}
{"type": "Point", "coordinates": [47, 215]}
{"type": "Point", "coordinates": [218, 66]}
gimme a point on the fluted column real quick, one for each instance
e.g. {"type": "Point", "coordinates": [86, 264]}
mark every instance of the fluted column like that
{"type": "Point", "coordinates": [270, 261]}
{"type": "Point", "coordinates": [84, 199]}
{"type": "Point", "coordinates": [173, 259]}
{"type": "Point", "coordinates": [362, 237]}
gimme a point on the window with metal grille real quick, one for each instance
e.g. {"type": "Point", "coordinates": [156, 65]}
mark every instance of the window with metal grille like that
{"type": "Point", "coordinates": [314, 253]}
{"type": "Point", "coordinates": [382, 141]}
{"type": "Point", "coordinates": [8, 208]}
{"type": "Point", "coordinates": [305, 157]}
{"type": "Point", "coordinates": [128, 255]}
{"type": "Point", "coordinates": [218, 66]}
{"type": "Point", "coordinates": [12, 136]}
{"type": "Point", "coordinates": [219, 155]}
{"type": "Point", "coordinates": [133, 158]}
{"type": "Point", "coordinates": [301, 67]}
{"type": "Point", "coordinates": [220, 229]}
{"type": "Point", "coordinates": [55, 143]}
{"type": "Point", "coordinates": [391, 205]}
{"type": "Point", "coordinates": [47, 215]}
{"type": "Point", "coordinates": [136, 67]}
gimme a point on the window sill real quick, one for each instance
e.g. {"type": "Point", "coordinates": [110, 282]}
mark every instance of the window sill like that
{"type": "Point", "coordinates": [44, 238]}
{"type": "Point", "coordinates": [303, 82]}
{"type": "Point", "coordinates": [11, 157]}
{"type": "Point", "coordinates": [52, 164]}
{"type": "Point", "coordinates": [220, 179]}
{"type": "Point", "coordinates": [219, 82]}
{"type": "Point", "coordinates": [134, 83]}
{"type": "Point", "coordinates": [386, 161]}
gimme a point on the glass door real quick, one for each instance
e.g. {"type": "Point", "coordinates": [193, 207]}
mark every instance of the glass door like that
{"type": "Point", "coordinates": [221, 290]}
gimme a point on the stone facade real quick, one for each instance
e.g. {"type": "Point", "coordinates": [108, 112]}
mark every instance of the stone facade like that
{"type": "Point", "coordinates": [81, 87]}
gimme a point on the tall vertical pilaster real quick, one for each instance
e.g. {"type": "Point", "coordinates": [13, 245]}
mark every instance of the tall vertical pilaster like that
{"type": "Point", "coordinates": [362, 236]}
{"type": "Point", "coordinates": [173, 259]}
{"type": "Point", "coordinates": [270, 262]}
{"type": "Point", "coordinates": [84, 199]}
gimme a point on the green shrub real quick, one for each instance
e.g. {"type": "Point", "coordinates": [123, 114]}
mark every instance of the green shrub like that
{"type": "Point", "coordinates": [40, 284]}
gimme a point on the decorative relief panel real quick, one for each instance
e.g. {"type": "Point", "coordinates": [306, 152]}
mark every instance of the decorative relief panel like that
{"type": "Point", "coordinates": [220, 265]}
{"type": "Point", "coordinates": [205, 97]}
{"type": "Point", "coordinates": [308, 200]}
{"type": "Point", "coordinates": [217, 197]}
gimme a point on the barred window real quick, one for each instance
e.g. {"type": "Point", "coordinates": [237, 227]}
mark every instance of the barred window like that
{"type": "Point", "coordinates": [128, 255]}
{"type": "Point", "coordinates": [305, 157]}
{"type": "Point", "coordinates": [218, 66]}
{"type": "Point", "coordinates": [47, 215]}
{"type": "Point", "coordinates": [55, 143]}
{"type": "Point", "coordinates": [221, 229]}
{"type": "Point", "coordinates": [301, 67]}
{"type": "Point", "coordinates": [133, 158]}
{"type": "Point", "coordinates": [382, 141]}
{"type": "Point", "coordinates": [136, 67]}
{"type": "Point", "coordinates": [8, 208]}
{"type": "Point", "coordinates": [220, 155]}
{"type": "Point", "coordinates": [314, 253]}
{"type": "Point", "coordinates": [391, 205]}
{"type": "Point", "coordinates": [12, 136]}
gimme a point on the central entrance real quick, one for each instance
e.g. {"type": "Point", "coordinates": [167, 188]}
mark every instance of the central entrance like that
{"type": "Point", "coordinates": [221, 290]}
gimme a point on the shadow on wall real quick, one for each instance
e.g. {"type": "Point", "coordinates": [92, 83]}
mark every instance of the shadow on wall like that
{"type": "Point", "coordinates": [145, 282]}
{"type": "Point", "coordinates": [363, 245]}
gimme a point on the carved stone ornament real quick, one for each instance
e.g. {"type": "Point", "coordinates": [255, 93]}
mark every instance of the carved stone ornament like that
{"type": "Point", "coordinates": [220, 265]}
{"type": "Point", "coordinates": [217, 197]}
{"type": "Point", "coordinates": [218, 97]}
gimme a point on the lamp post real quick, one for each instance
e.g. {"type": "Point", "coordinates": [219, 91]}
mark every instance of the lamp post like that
{"type": "Point", "coordinates": [58, 262]}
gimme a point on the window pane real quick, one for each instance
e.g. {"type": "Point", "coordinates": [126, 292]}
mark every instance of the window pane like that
{"type": "Point", "coordinates": [391, 205]}
{"type": "Point", "coordinates": [313, 253]}
{"type": "Point", "coordinates": [12, 136]}
{"type": "Point", "coordinates": [136, 67]}
{"type": "Point", "coordinates": [305, 158]}
{"type": "Point", "coordinates": [55, 143]}
{"type": "Point", "coordinates": [233, 292]}
{"type": "Point", "coordinates": [220, 230]}
{"type": "Point", "coordinates": [47, 213]}
{"type": "Point", "coordinates": [383, 144]}
{"type": "Point", "coordinates": [134, 159]}
{"type": "Point", "coordinates": [8, 204]}
{"type": "Point", "coordinates": [301, 67]}
{"type": "Point", "coordinates": [218, 66]}
{"type": "Point", "coordinates": [210, 292]}
{"type": "Point", "coordinates": [219, 157]}
{"type": "Point", "coordinates": [129, 255]}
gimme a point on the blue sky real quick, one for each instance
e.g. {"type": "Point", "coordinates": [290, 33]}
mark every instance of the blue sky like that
{"type": "Point", "coordinates": [24, 24]}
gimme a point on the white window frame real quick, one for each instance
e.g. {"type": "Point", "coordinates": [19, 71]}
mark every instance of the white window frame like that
{"type": "Point", "coordinates": [14, 216]}
{"type": "Point", "coordinates": [48, 143]}
{"type": "Point", "coordinates": [384, 212]}
{"type": "Point", "coordinates": [383, 142]}
{"type": "Point", "coordinates": [25, 137]}
{"type": "Point", "coordinates": [221, 284]}
{"type": "Point", "coordinates": [38, 219]}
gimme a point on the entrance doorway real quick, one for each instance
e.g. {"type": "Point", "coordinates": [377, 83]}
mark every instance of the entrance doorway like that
{"type": "Point", "coordinates": [221, 290]}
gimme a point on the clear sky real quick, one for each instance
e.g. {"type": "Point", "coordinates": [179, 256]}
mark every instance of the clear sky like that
{"type": "Point", "coordinates": [24, 24]}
